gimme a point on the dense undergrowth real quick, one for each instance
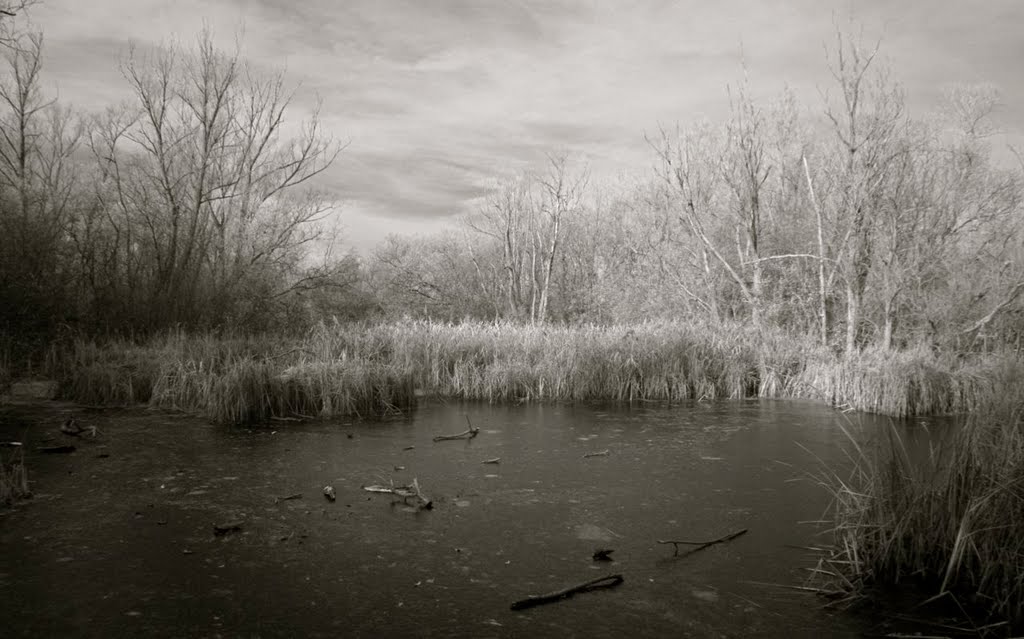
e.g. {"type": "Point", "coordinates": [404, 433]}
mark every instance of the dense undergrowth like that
{"type": "Point", "coordinates": [338, 370]}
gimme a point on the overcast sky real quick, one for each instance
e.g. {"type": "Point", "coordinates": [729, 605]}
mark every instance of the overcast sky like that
{"type": "Point", "coordinates": [440, 97]}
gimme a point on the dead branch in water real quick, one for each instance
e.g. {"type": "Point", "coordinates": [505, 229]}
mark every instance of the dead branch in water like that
{"type": "Point", "coordinates": [496, 460]}
{"type": "Point", "coordinates": [608, 581]}
{"type": "Point", "coordinates": [602, 453]}
{"type": "Point", "coordinates": [701, 545]}
{"type": "Point", "coordinates": [405, 492]}
{"type": "Point", "coordinates": [467, 434]}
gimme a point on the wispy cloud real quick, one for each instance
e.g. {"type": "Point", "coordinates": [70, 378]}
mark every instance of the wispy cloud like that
{"type": "Point", "coordinates": [438, 98]}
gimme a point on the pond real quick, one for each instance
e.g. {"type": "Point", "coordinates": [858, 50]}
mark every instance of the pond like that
{"type": "Point", "coordinates": [119, 539]}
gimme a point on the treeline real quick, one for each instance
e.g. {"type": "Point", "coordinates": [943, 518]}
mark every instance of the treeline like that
{"type": "Point", "coordinates": [853, 222]}
{"type": "Point", "coordinates": [192, 205]}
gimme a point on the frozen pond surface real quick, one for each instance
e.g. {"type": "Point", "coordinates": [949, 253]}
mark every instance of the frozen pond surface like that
{"type": "Point", "coordinates": [123, 544]}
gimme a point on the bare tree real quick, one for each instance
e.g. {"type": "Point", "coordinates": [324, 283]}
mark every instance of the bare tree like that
{"type": "Point", "coordinates": [864, 125]}
{"type": "Point", "coordinates": [199, 172]}
{"type": "Point", "coordinates": [561, 195]}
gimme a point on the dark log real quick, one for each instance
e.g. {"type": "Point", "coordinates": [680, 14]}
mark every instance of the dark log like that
{"type": "Point", "coordinates": [701, 545]}
{"type": "Point", "coordinates": [56, 449]}
{"type": "Point", "coordinates": [608, 581]}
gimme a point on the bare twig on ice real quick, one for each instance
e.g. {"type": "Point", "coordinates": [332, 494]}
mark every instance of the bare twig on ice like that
{"type": "Point", "coordinates": [603, 453]}
{"type": "Point", "coordinates": [701, 545]}
{"type": "Point", "coordinates": [608, 581]}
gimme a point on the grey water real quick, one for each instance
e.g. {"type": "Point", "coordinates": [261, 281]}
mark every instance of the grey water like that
{"type": "Point", "coordinates": [118, 539]}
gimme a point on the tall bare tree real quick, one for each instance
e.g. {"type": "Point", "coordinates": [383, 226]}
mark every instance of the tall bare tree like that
{"type": "Point", "coordinates": [200, 172]}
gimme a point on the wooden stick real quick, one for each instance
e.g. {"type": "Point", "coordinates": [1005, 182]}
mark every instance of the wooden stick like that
{"type": "Point", "coordinates": [496, 460]}
{"type": "Point", "coordinates": [608, 581]}
{"type": "Point", "coordinates": [603, 453]}
{"type": "Point", "coordinates": [701, 544]}
{"type": "Point", "coordinates": [405, 492]}
{"type": "Point", "coordinates": [467, 434]}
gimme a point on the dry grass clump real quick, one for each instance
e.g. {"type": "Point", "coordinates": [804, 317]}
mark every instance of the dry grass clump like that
{"type": "Point", "coordinates": [953, 521]}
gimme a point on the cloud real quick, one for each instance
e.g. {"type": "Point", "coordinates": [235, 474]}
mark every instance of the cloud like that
{"type": "Point", "coordinates": [439, 98]}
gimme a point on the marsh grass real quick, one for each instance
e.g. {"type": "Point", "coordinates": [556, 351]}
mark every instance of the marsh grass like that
{"type": "Point", "coordinates": [13, 477]}
{"type": "Point", "coordinates": [338, 370]}
{"type": "Point", "coordinates": [951, 520]}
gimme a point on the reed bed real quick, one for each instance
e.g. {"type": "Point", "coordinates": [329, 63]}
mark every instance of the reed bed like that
{"type": "Point", "coordinates": [953, 522]}
{"type": "Point", "coordinates": [338, 370]}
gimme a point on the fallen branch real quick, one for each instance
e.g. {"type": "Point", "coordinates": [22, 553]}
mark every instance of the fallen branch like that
{"type": "Point", "coordinates": [603, 453]}
{"type": "Point", "coordinates": [288, 497]}
{"type": "Point", "coordinates": [701, 545]}
{"type": "Point", "coordinates": [405, 492]}
{"type": "Point", "coordinates": [608, 581]}
{"type": "Point", "coordinates": [466, 434]}
{"type": "Point", "coordinates": [56, 449]}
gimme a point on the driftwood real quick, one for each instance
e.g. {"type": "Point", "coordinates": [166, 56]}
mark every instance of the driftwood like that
{"type": "Point", "coordinates": [466, 434]}
{"type": "Point", "coordinates": [608, 581]}
{"type": "Point", "coordinates": [496, 460]}
{"type": "Point", "coordinates": [288, 497]}
{"type": "Point", "coordinates": [405, 492]}
{"type": "Point", "coordinates": [603, 453]}
{"type": "Point", "coordinates": [701, 545]}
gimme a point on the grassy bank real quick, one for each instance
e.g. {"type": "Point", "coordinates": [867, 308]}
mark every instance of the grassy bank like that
{"type": "Point", "coordinates": [953, 522]}
{"type": "Point", "coordinates": [337, 370]}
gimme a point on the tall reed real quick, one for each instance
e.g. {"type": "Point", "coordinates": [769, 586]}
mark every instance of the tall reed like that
{"type": "Point", "coordinates": [953, 520]}
{"type": "Point", "coordinates": [336, 369]}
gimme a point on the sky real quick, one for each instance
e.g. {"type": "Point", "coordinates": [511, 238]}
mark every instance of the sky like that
{"type": "Point", "coordinates": [438, 100]}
